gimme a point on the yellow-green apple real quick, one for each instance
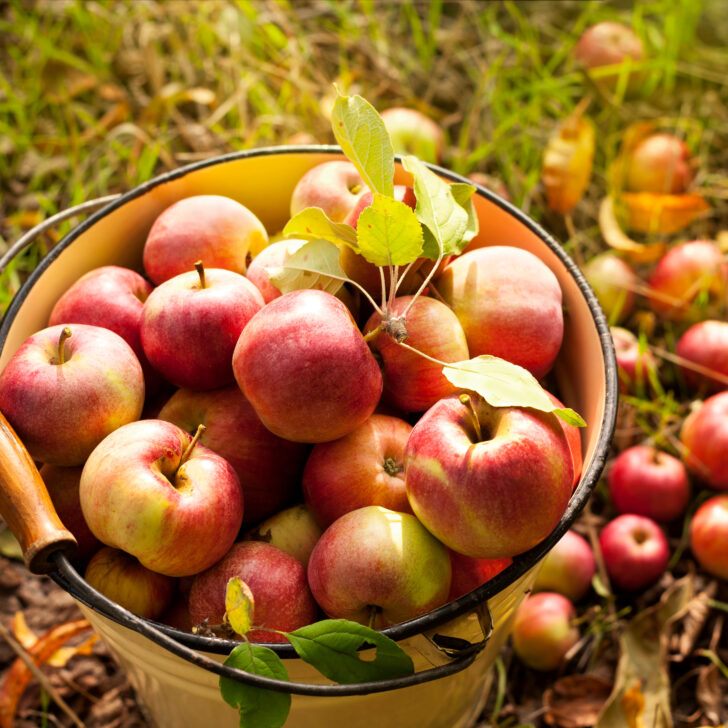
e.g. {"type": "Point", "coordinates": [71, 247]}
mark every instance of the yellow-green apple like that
{"type": "Point", "coordinates": [63, 487]}
{"type": "Point", "coordinates": [508, 303]}
{"type": "Point", "coordinates": [363, 468]}
{"type": "Point", "coordinates": [269, 467]}
{"type": "Point", "coordinates": [412, 132]}
{"type": "Point", "coordinates": [191, 323]}
{"type": "Point", "coordinates": [294, 530]}
{"type": "Point", "coordinates": [488, 482]}
{"type": "Point", "coordinates": [608, 44]}
{"type": "Point", "coordinates": [709, 536]}
{"type": "Point", "coordinates": [703, 347]}
{"type": "Point", "coordinates": [306, 369]}
{"type": "Point", "coordinates": [469, 573]}
{"type": "Point", "coordinates": [67, 387]}
{"type": "Point", "coordinates": [660, 163]}
{"type": "Point", "coordinates": [689, 282]}
{"type": "Point", "coordinates": [568, 568]}
{"type": "Point", "coordinates": [121, 578]}
{"type": "Point", "coordinates": [113, 297]}
{"type": "Point", "coordinates": [634, 360]}
{"type": "Point", "coordinates": [214, 229]}
{"type": "Point", "coordinates": [544, 630]}
{"type": "Point", "coordinates": [704, 436]}
{"type": "Point", "coordinates": [334, 186]}
{"type": "Point", "coordinates": [150, 490]}
{"type": "Point", "coordinates": [615, 284]}
{"type": "Point", "coordinates": [413, 383]}
{"type": "Point", "coordinates": [649, 482]}
{"type": "Point", "coordinates": [635, 551]}
{"type": "Point", "coordinates": [277, 580]}
{"type": "Point", "coordinates": [378, 567]}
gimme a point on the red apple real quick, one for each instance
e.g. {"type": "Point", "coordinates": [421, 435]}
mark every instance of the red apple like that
{"type": "Point", "coordinates": [469, 573]}
{"type": "Point", "coordinates": [689, 282]}
{"type": "Point", "coordinates": [216, 230]}
{"type": "Point", "coordinates": [192, 322]}
{"type": "Point", "coordinates": [363, 468]}
{"type": "Point", "coordinates": [635, 551]}
{"type": "Point", "coordinates": [614, 283]}
{"type": "Point", "coordinates": [488, 482]}
{"type": "Point", "coordinates": [709, 536]}
{"type": "Point", "coordinates": [573, 437]}
{"type": "Point", "coordinates": [378, 567]}
{"type": "Point", "coordinates": [660, 163]}
{"type": "Point", "coordinates": [704, 349]}
{"type": "Point", "coordinates": [568, 568]}
{"type": "Point", "coordinates": [544, 630]}
{"type": "Point", "coordinates": [63, 487]}
{"type": "Point", "coordinates": [649, 482]}
{"type": "Point", "coordinates": [121, 578]}
{"type": "Point", "coordinates": [411, 382]}
{"type": "Point", "coordinates": [273, 256]}
{"type": "Point", "coordinates": [149, 490]}
{"type": "Point", "coordinates": [269, 467]}
{"type": "Point", "coordinates": [509, 304]}
{"type": "Point", "coordinates": [293, 530]}
{"type": "Point", "coordinates": [277, 580]}
{"type": "Point", "coordinates": [66, 388]}
{"type": "Point", "coordinates": [634, 362]}
{"type": "Point", "coordinates": [306, 369]}
{"type": "Point", "coordinates": [334, 186]}
{"type": "Point", "coordinates": [412, 132]}
{"type": "Point", "coordinates": [704, 436]}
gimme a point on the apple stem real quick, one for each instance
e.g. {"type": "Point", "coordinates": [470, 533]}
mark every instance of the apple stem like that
{"type": "Point", "coordinates": [201, 272]}
{"type": "Point", "coordinates": [468, 402]}
{"type": "Point", "coordinates": [65, 334]}
{"type": "Point", "coordinates": [374, 611]}
{"type": "Point", "coordinates": [190, 447]}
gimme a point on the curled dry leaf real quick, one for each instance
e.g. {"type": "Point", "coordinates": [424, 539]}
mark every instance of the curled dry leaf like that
{"type": "Point", "coordinates": [709, 694]}
{"type": "Point", "coordinates": [691, 626]}
{"type": "Point", "coordinates": [575, 701]}
{"type": "Point", "coordinates": [568, 160]}
{"type": "Point", "coordinates": [647, 212]}
{"type": "Point", "coordinates": [616, 238]}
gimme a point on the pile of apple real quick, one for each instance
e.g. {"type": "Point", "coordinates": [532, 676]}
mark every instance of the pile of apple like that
{"type": "Point", "coordinates": [195, 424]}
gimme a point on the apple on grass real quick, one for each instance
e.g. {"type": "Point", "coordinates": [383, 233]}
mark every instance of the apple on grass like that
{"type": "Point", "coordinates": [334, 186]}
{"type": "Point", "coordinates": [412, 132]}
{"type": "Point", "coordinates": [615, 284]}
{"type": "Point", "coordinates": [121, 578]}
{"type": "Point", "coordinates": [363, 468]}
{"type": "Point", "coordinates": [277, 581]}
{"type": "Point", "coordinates": [413, 383]}
{"type": "Point", "coordinates": [660, 163]}
{"type": "Point", "coordinates": [544, 630]}
{"type": "Point", "coordinates": [634, 360]}
{"type": "Point", "coordinates": [635, 551]}
{"type": "Point", "coordinates": [306, 369]}
{"type": "Point", "coordinates": [709, 536]}
{"type": "Point", "coordinates": [567, 568]}
{"type": "Point", "coordinates": [509, 304]}
{"type": "Point", "coordinates": [378, 567]}
{"type": "Point", "coordinates": [704, 436]}
{"type": "Point", "coordinates": [269, 468]}
{"type": "Point", "coordinates": [489, 482]}
{"type": "Point", "coordinates": [703, 347]}
{"type": "Point", "coordinates": [192, 322]}
{"type": "Point", "coordinates": [469, 573]}
{"type": "Point", "coordinates": [214, 229]}
{"type": "Point", "coordinates": [151, 490]}
{"type": "Point", "coordinates": [649, 482]}
{"type": "Point", "coordinates": [67, 388]}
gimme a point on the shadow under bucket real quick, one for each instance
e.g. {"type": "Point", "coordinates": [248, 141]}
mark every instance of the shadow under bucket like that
{"type": "Point", "coordinates": [175, 674]}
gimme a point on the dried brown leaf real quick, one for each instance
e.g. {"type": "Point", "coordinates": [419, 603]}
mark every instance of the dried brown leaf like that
{"type": "Point", "coordinates": [709, 694]}
{"type": "Point", "coordinates": [575, 701]}
{"type": "Point", "coordinates": [616, 238]}
{"type": "Point", "coordinates": [633, 706]}
{"type": "Point", "coordinates": [692, 624]}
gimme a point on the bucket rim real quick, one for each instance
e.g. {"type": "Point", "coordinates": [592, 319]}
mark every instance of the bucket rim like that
{"type": "Point", "coordinates": [82, 591]}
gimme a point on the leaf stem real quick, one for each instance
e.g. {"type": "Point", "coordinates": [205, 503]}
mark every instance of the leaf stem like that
{"type": "Point", "coordinates": [373, 333]}
{"type": "Point", "coordinates": [427, 279]}
{"type": "Point", "coordinates": [404, 274]}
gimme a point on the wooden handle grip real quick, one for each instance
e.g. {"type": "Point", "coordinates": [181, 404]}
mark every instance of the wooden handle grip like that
{"type": "Point", "coordinates": [26, 506]}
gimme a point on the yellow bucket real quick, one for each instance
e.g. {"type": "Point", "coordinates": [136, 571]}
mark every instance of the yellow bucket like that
{"type": "Point", "coordinates": [175, 674]}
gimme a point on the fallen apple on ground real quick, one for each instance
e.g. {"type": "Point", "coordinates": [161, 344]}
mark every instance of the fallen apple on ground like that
{"type": "Point", "coordinates": [568, 568]}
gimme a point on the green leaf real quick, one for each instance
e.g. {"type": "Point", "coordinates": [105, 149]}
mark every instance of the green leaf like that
{"type": "Point", "coordinates": [503, 384]}
{"type": "Point", "coordinates": [313, 223]}
{"type": "Point", "coordinates": [360, 131]}
{"type": "Point", "coordinates": [439, 211]}
{"type": "Point", "coordinates": [463, 194]}
{"type": "Point", "coordinates": [259, 708]}
{"type": "Point", "coordinates": [239, 605]}
{"type": "Point", "coordinates": [331, 646]}
{"type": "Point", "coordinates": [389, 233]}
{"type": "Point", "coordinates": [314, 265]}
